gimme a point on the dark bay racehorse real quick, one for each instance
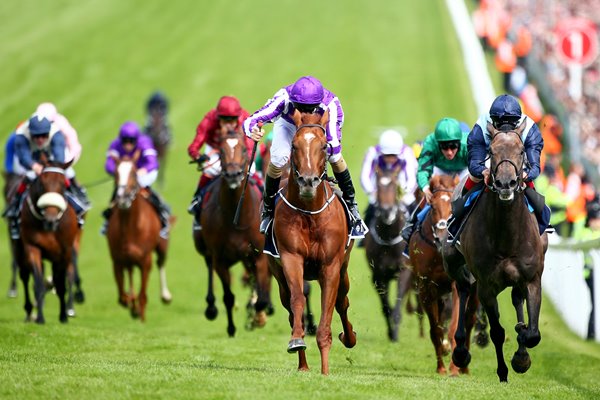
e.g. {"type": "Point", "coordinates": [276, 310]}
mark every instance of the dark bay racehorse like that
{"type": "Point", "coordinates": [502, 247]}
{"type": "Point", "coordinates": [221, 242]}
{"type": "Point", "coordinates": [133, 235]}
{"type": "Point", "coordinates": [48, 230]}
{"type": "Point", "coordinates": [312, 233]}
{"type": "Point", "coordinates": [11, 183]}
{"type": "Point", "coordinates": [433, 283]}
{"type": "Point", "coordinates": [384, 246]}
{"type": "Point", "coordinates": [160, 132]}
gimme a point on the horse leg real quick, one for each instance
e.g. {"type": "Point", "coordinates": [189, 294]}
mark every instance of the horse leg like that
{"type": "Point", "coordinates": [497, 334]}
{"type": "Point", "coordinates": [330, 297]}
{"type": "Point", "coordinates": [78, 295]}
{"type": "Point", "coordinates": [481, 337]}
{"type": "Point", "coordinates": [309, 320]}
{"type": "Point", "coordinates": [120, 278]}
{"type": "Point", "coordinates": [39, 285]}
{"type": "Point", "coordinates": [228, 297]}
{"type": "Point", "coordinates": [161, 255]}
{"type": "Point", "coordinates": [24, 273]}
{"type": "Point", "coordinates": [211, 311]}
{"type": "Point", "coordinates": [131, 297]}
{"type": "Point", "coordinates": [59, 277]}
{"type": "Point", "coordinates": [461, 356]}
{"type": "Point", "coordinates": [12, 288]}
{"type": "Point", "coordinates": [428, 296]}
{"type": "Point", "coordinates": [470, 318]}
{"type": "Point", "coordinates": [534, 302]}
{"type": "Point", "coordinates": [404, 281]}
{"type": "Point", "coordinates": [520, 362]}
{"type": "Point", "coordinates": [381, 286]}
{"type": "Point", "coordinates": [70, 282]}
{"type": "Point", "coordinates": [348, 336]}
{"type": "Point", "coordinates": [145, 267]}
{"type": "Point", "coordinates": [263, 289]}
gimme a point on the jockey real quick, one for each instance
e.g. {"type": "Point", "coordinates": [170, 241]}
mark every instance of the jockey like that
{"type": "Point", "coordinates": [75, 192]}
{"type": "Point", "coordinates": [157, 125]}
{"type": "Point", "coordinates": [504, 115]}
{"type": "Point", "coordinates": [444, 152]}
{"type": "Point", "coordinates": [32, 139]}
{"type": "Point", "coordinates": [390, 152]}
{"type": "Point", "coordinates": [129, 141]}
{"type": "Point", "coordinates": [227, 116]}
{"type": "Point", "coordinates": [306, 95]}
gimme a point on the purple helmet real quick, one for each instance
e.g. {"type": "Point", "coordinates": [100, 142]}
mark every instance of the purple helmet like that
{"type": "Point", "coordinates": [129, 130]}
{"type": "Point", "coordinates": [307, 90]}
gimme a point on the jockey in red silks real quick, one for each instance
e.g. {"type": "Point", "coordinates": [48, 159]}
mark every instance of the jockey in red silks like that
{"type": "Point", "coordinates": [227, 116]}
{"type": "Point", "coordinates": [505, 115]}
{"type": "Point", "coordinates": [307, 95]}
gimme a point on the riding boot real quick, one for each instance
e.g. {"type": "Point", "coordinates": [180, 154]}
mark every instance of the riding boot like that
{"type": "Point", "coordinates": [195, 205]}
{"type": "Point", "coordinates": [409, 227]}
{"type": "Point", "coordinates": [106, 214]}
{"type": "Point", "coordinates": [12, 215]}
{"type": "Point", "coordinates": [359, 229]}
{"type": "Point", "coordinates": [271, 188]}
{"type": "Point", "coordinates": [164, 212]}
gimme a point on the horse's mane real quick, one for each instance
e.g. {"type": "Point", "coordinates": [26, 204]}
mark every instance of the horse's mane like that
{"type": "Point", "coordinates": [445, 182]}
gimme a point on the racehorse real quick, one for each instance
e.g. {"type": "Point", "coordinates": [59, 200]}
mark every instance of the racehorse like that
{"type": "Point", "coordinates": [221, 242]}
{"type": "Point", "coordinates": [48, 230]}
{"type": "Point", "coordinates": [384, 246]}
{"type": "Point", "coordinates": [502, 247]}
{"type": "Point", "coordinates": [11, 183]}
{"type": "Point", "coordinates": [311, 233]}
{"type": "Point", "coordinates": [160, 133]}
{"type": "Point", "coordinates": [133, 235]}
{"type": "Point", "coordinates": [433, 283]}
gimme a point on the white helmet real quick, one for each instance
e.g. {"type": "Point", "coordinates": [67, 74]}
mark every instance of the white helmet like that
{"type": "Point", "coordinates": [390, 142]}
{"type": "Point", "coordinates": [47, 110]}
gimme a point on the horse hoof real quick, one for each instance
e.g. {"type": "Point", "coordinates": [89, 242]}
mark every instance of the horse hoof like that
{"type": "Point", "coordinates": [40, 321]}
{"type": "Point", "coordinates": [270, 310]}
{"type": "Point", "coordinates": [211, 313]}
{"type": "Point", "coordinates": [260, 319]}
{"type": "Point", "coordinates": [71, 312]}
{"type": "Point", "coordinates": [311, 330]}
{"type": "Point", "coordinates": [520, 327]}
{"type": "Point", "coordinates": [296, 345]}
{"type": "Point", "coordinates": [520, 362]}
{"type": "Point", "coordinates": [63, 319]}
{"type": "Point", "coordinates": [482, 339]}
{"type": "Point", "coordinates": [231, 331]}
{"type": "Point", "coordinates": [446, 347]}
{"type": "Point", "coordinates": [79, 297]}
{"type": "Point", "coordinates": [166, 299]}
{"type": "Point", "coordinates": [12, 293]}
{"type": "Point", "coordinates": [348, 342]}
{"type": "Point", "coordinates": [461, 358]}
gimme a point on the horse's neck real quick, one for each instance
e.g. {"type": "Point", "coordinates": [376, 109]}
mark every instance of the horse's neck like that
{"type": "Point", "coordinates": [508, 220]}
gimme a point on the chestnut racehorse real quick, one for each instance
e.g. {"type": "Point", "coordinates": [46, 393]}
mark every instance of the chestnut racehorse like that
{"type": "Point", "coordinates": [221, 242]}
{"type": "Point", "coordinates": [384, 246]}
{"type": "Point", "coordinates": [502, 247]}
{"type": "Point", "coordinates": [48, 230]}
{"type": "Point", "coordinates": [311, 232]}
{"type": "Point", "coordinates": [133, 235]}
{"type": "Point", "coordinates": [433, 283]}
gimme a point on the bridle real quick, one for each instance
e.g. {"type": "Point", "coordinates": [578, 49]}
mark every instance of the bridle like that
{"type": "Point", "coordinates": [518, 169]}
{"type": "Point", "coordinates": [293, 165]}
{"type": "Point", "coordinates": [239, 167]}
{"type": "Point", "coordinates": [48, 199]}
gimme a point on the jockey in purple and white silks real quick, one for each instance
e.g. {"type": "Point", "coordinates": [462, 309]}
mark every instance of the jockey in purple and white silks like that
{"type": "Point", "coordinates": [307, 95]}
{"type": "Point", "coordinates": [387, 154]}
{"type": "Point", "coordinates": [130, 141]}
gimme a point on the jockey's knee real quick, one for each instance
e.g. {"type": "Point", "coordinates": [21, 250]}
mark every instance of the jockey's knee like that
{"type": "Point", "coordinates": [275, 170]}
{"type": "Point", "coordinates": [338, 164]}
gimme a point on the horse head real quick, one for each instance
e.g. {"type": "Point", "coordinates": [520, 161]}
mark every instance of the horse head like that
{"type": "Point", "coordinates": [507, 162]}
{"type": "Point", "coordinates": [308, 159]}
{"type": "Point", "coordinates": [126, 183]}
{"type": "Point", "coordinates": [46, 199]}
{"type": "Point", "coordinates": [234, 157]}
{"type": "Point", "coordinates": [441, 187]}
{"type": "Point", "coordinates": [387, 208]}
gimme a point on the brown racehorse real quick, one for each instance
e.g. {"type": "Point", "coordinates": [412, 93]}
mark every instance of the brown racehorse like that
{"type": "Point", "coordinates": [221, 242]}
{"type": "Point", "coordinates": [433, 283]}
{"type": "Point", "coordinates": [48, 229]}
{"type": "Point", "coordinates": [502, 247]}
{"type": "Point", "coordinates": [160, 133]}
{"type": "Point", "coordinates": [11, 183]}
{"type": "Point", "coordinates": [133, 235]}
{"type": "Point", "coordinates": [312, 234]}
{"type": "Point", "coordinates": [384, 246]}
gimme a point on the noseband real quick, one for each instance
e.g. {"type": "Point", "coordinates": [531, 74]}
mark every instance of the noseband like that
{"type": "Point", "coordinates": [518, 169]}
{"type": "Point", "coordinates": [48, 199]}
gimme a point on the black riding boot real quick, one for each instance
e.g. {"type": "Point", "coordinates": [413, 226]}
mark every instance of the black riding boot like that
{"type": "Point", "coordinates": [12, 215]}
{"type": "Point", "coordinates": [409, 227]}
{"type": "Point", "coordinates": [359, 229]}
{"type": "Point", "coordinates": [196, 203]}
{"type": "Point", "coordinates": [271, 188]}
{"type": "Point", "coordinates": [164, 212]}
{"type": "Point", "coordinates": [79, 192]}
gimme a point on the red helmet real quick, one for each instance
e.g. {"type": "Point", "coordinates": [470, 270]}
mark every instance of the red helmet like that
{"type": "Point", "coordinates": [229, 106]}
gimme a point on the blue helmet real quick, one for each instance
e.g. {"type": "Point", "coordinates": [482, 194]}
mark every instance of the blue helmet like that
{"type": "Point", "coordinates": [505, 110]}
{"type": "Point", "coordinates": [158, 101]}
{"type": "Point", "coordinates": [129, 130]}
{"type": "Point", "coordinates": [39, 125]}
{"type": "Point", "coordinates": [307, 90]}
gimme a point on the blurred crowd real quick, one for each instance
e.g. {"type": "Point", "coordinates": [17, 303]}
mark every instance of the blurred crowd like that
{"type": "Point", "coordinates": [522, 33]}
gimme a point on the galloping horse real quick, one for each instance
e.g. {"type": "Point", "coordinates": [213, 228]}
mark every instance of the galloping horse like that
{"type": "Point", "coordinates": [312, 237]}
{"type": "Point", "coordinates": [160, 133]}
{"type": "Point", "coordinates": [221, 242]}
{"type": "Point", "coordinates": [48, 229]}
{"type": "Point", "coordinates": [384, 246]}
{"type": "Point", "coordinates": [11, 183]}
{"type": "Point", "coordinates": [433, 282]}
{"type": "Point", "coordinates": [502, 247]}
{"type": "Point", "coordinates": [133, 235]}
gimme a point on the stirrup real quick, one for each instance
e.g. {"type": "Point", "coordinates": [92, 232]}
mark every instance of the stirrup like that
{"type": "Point", "coordinates": [193, 205]}
{"type": "Point", "coordinates": [359, 229]}
{"type": "Point", "coordinates": [265, 221]}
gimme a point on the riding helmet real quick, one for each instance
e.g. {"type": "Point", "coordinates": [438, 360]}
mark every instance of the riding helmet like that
{"type": "Point", "coordinates": [390, 142]}
{"type": "Point", "coordinates": [307, 90]}
{"type": "Point", "coordinates": [505, 110]}
{"type": "Point", "coordinates": [39, 125]}
{"type": "Point", "coordinates": [129, 130]}
{"type": "Point", "coordinates": [229, 106]}
{"type": "Point", "coordinates": [448, 129]}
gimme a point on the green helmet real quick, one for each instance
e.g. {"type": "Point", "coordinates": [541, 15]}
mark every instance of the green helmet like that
{"type": "Point", "coordinates": [447, 129]}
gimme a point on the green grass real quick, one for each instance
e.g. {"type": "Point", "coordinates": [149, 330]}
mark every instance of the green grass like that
{"type": "Point", "coordinates": [390, 62]}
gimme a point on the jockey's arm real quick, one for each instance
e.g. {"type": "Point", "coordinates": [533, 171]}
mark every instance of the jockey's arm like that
{"type": "Point", "coordinates": [72, 141]}
{"type": "Point", "coordinates": [477, 150]}
{"type": "Point", "coordinates": [271, 110]}
{"type": "Point", "coordinates": [534, 143]}
{"type": "Point", "coordinates": [148, 156]}
{"type": "Point", "coordinates": [23, 151]}
{"type": "Point", "coordinates": [200, 138]}
{"type": "Point", "coordinates": [426, 162]}
{"type": "Point", "coordinates": [112, 155]}
{"type": "Point", "coordinates": [57, 147]}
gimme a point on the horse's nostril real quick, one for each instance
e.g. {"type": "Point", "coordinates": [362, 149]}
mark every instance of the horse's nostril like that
{"type": "Point", "coordinates": [513, 183]}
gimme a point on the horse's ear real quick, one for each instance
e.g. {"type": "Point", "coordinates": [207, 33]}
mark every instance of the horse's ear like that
{"type": "Point", "coordinates": [136, 156]}
{"type": "Point", "coordinates": [521, 127]}
{"type": "Point", "coordinates": [493, 132]}
{"type": "Point", "coordinates": [325, 118]}
{"type": "Point", "coordinates": [43, 158]}
{"type": "Point", "coordinates": [67, 164]}
{"type": "Point", "coordinates": [297, 118]}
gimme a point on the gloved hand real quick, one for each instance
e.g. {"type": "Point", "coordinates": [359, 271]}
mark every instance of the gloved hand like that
{"type": "Point", "coordinates": [203, 158]}
{"type": "Point", "coordinates": [257, 133]}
